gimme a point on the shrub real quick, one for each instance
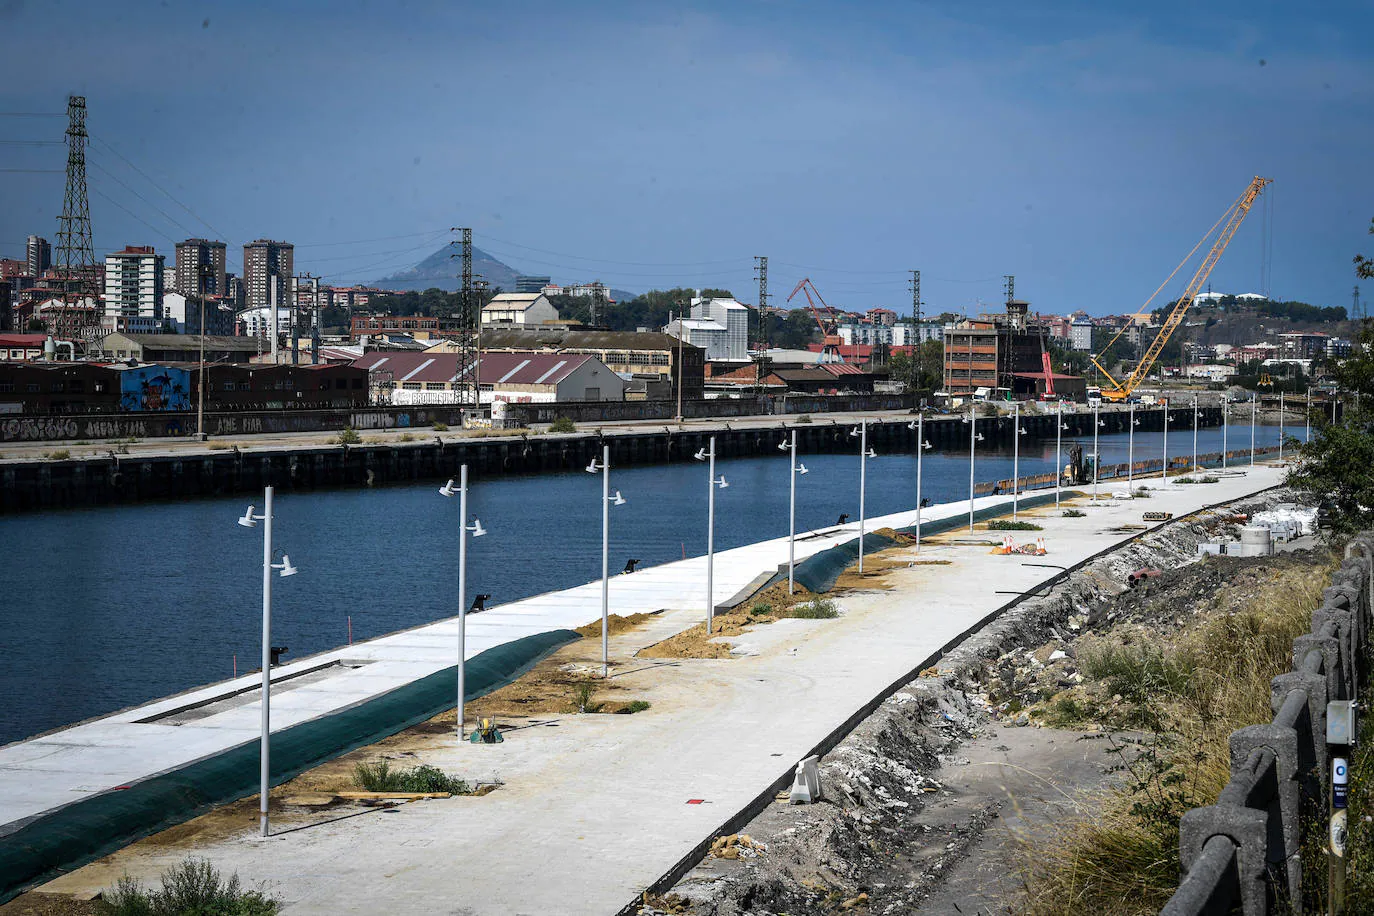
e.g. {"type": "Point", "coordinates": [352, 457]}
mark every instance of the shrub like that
{"type": "Point", "coordinates": [440, 427]}
{"type": "Point", "coordinates": [562, 425]}
{"type": "Point", "coordinates": [804, 418]}
{"type": "Point", "coordinates": [60, 455]}
{"type": "Point", "coordinates": [762, 609]}
{"type": "Point", "coordinates": [1141, 493]}
{"type": "Point", "coordinates": [193, 887]}
{"type": "Point", "coordinates": [1074, 513]}
{"type": "Point", "coordinates": [582, 697]}
{"type": "Point", "coordinates": [380, 777]}
{"type": "Point", "coordinates": [633, 707]}
{"type": "Point", "coordinates": [815, 609]}
{"type": "Point", "coordinates": [348, 436]}
{"type": "Point", "coordinates": [1006, 524]}
{"type": "Point", "coordinates": [406, 437]}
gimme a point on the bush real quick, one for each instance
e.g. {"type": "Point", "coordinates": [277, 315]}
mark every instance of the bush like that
{"type": "Point", "coordinates": [348, 436]}
{"type": "Point", "coordinates": [1141, 493]}
{"type": "Point", "coordinates": [1074, 513]}
{"type": "Point", "coordinates": [634, 706]}
{"type": "Point", "coordinates": [193, 888]}
{"type": "Point", "coordinates": [562, 425]}
{"type": "Point", "coordinates": [407, 437]}
{"type": "Point", "coordinates": [815, 609]}
{"type": "Point", "coordinates": [380, 777]}
{"type": "Point", "coordinates": [60, 455]}
{"type": "Point", "coordinates": [440, 427]}
{"type": "Point", "coordinates": [762, 609]}
{"type": "Point", "coordinates": [804, 418]}
{"type": "Point", "coordinates": [1005, 524]}
{"type": "Point", "coordinates": [582, 697]}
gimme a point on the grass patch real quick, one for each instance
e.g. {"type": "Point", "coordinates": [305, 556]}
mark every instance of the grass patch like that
{"type": "Point", "coordinates": [816, 609]}
{"type": "Point", "coordinates": [440, 427]}
{"type": "Point", "coordinates": [1141, 493]}
{"type": "Point", "coordinates": [562, 425]}
{"type": "Point", "coordinates": [633, 707]}
{"type": "Point", "coordinates": [804, 418]}
{"type": "Point", "coordinates": [219, 446]}
{"type": "Point", "coordinates": [193, 888]}
{"type": "Point", "coordinates": [1006, 524]}
{"type": "Point", "coordinates": [1119, 857]}
{"type": "Point", "coordinates": [761, 609]}
{"type": "Point", "coordinates": [407, 437]}
{"type": "Point", "coordinates": [380, 777]}
{"type": "Point", "coordinates": [1207, 479]}
{"type": "Point", "coordinates": [60, 455]}
{"type": "Point", "coordinates": [1074, 513]}
{"type": "Point", "coordinates": [582, 698]}
{"type": "Point", "coordinates": [347, 436]}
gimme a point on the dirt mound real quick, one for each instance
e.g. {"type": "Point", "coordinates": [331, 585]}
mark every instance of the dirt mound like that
{"type": "Point", "coordinates": [616, 624]}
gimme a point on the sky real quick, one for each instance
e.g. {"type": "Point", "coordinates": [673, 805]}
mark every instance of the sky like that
{"type": "Point", "coordinates": [1084, 148]}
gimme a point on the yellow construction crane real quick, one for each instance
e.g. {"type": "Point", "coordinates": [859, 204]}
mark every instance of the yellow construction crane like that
{"type": "Point", "coordinates": [1230, 221]}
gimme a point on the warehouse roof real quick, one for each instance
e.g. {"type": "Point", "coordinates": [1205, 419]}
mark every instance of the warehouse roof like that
{"type": "Point", "coordinates": [494, 368]}
{"type": "Point", "coordinates": [190, 341]}
{"type": "Point", "coordinates": [554, 338]}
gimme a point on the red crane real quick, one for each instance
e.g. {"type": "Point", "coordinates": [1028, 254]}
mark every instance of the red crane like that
{"type": "Point", "coordinates": [826, 321]}
{"type": "Point", "coordinates": [1045, 360]}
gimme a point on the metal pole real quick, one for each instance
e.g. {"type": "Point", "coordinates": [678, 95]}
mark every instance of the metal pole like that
{"type": "Point", "coordinates": [605, 560]}
{"type": "Point", "coordinates": [1164, 475]}
{"type": "Point", "coordinates": [200, 386]}
{"type": "Point", "coordinates": [1254, 417]}
{"type": "Point", "coordinates": [863, 468]}
{"type": "Point", "coordinates": [920, 447]}
{"type": "Point", "coordinates": [972, 427]}
{"type": "Point", "coordinates": [462, 593]}
{"type": "Point", "coordinates": [264, 772]}
{"type": "Point", "coordinates": [1195, 467]}
{"type": "Point", "coordinates": [1225, 418]}
{"type": "Point", "coordinates": [792, 518]}
{"type": "Point", "coordinates": [711, 538]}
{"type": "Point", "coordinates": [1307, 436]}
{"type": "Point", "coordinates": [1097, 456]}
{"type": "Point", "coordinates": [1130, 452]}
{"type": "Point", "coordinates": [1280, 427]}
{"type": "Point", "coordinates": [1015, 458]}
{"type": "Point", "coordinates": [1058, 452]}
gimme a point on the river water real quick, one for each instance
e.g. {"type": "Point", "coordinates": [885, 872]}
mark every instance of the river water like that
{"type": "Point", "coordinates": [107, 608]}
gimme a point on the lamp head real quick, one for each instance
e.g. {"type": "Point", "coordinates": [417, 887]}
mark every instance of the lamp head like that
{"type": "Point", "coordinates": [854, 431]}
{"type": "Point", "coordinates": [911, 425]}
{"type": "Point", "coordinates": [980, 437]}
{"type": "Point", "coordinates": [801, 469]}
{"type": "Point", "coordinates": [722, 482]}
{"type": "Point", "coordinates": [617, 499]}
{"type": "Point", "coordinates": [248, 521]}
{"type": "Point", "coordinates": [592, 467]}
{"type": "Point", "coordinates": [784, 445]}
{"type": "Point", "coordinates": [476, 528]}
{"type": "Point", "coordinates": [286, 568]}
{"type": "Point", "coordinates": [700, 455]}
{"type": "Point", "coordinates": [1021, 430]}
{"type": "Point", "coordinates": [870, 454]}
{"type": "Point", "coordinates": [448, 489]}
{"type": "Point", "coordinates": [926, 445]}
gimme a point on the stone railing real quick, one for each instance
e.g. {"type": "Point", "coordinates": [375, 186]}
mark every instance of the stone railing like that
{"type": "Point", "coordinates": [1243, 852]}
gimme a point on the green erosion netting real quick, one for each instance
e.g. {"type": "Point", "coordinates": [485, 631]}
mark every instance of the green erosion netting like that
{"type": "Point", "coordinates": [819, 571]}
{"type": "Point", "coordinates": [88, 829]}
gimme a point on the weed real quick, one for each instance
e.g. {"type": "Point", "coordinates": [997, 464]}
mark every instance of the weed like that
{"type": "Point", "coordinates": [562, 425]}
{"type": "Point", "coordinates": [81, 442]}
{"type": "Point", "coordinates": [804, 418]}
{"type": "Point", "coordinates": [193, 887]}
{"type": "Point", "coordinates": [372, 440]}
{"type": "Point", "coordinates": [762, 609]}
{"type": "Point", "coordinates": [1005, 524]}
{"type": "Point", "coordinates": [60, 455]}
{"type": "Point", "coordinates": [1141, 493]}
{"type": "Point", "coordinates": [634, 706]}
{"type": "Point", "coordinates": [380, 777]}
{"type": "Point", "coordinates": [219, 446]}
{"type": "Point", "coordinates": [582, 697]}
{"type": "Point", "coordinates": [406, 437]}
{"type": "Point", "coordinates": [815, 609]}
{"type": "Point", "coordinates": [1074, 513]}
{"type": "Point", "coordinates": [347, 436]}
{"type": "Point", "coordinates": [440, 427]}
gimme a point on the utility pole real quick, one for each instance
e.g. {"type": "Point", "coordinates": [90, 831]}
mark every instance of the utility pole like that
{"type": "Point", "coordinates": [1356, 313]}
{"type": "Point", "coordinates": [598, 309]}
{"type": "Point", "coordinates": [468, 319]}
{"type": "Point", "coordinates": [481, 287]}
{"type": "Point", "coordinates": [762, 364]}
{"type": "Point", "coordinates": [916, 315]}
{"type": "Point", "coordinates": [75, 251]}
{"type": "Point", "coordinates": [1009, 284]}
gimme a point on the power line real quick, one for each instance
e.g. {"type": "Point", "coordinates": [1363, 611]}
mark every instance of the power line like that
{"type": "Point", "coordinates": [32, 114]}
{"type": "Point", "coordinates": [30, 142]}
{"type": "Point", "coordinates": [160, 234]}
{"type": "Point", "coordinates": [35, 171]}
{"type": "Point", "coordinates": [576, 257]}
{"type": "Point", "coordinates": [154, 206]}
{"type": "Point", "coordinates": [170, 196]}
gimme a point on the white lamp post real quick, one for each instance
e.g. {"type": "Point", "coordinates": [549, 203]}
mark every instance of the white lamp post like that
{"type": "Point", "coordinates": [712, 482]}
{"type": "Point", "coordinates": [865, 453]}
{"type": "Point", "coordinates": [1195, 467]}
{"type": "Point", "coordinates": [1225, 416]}
{"type": "Point", "coordinates": [1280, 427]}
{"type": "Point", "coordinates": [1059, 452]}
{"type": "Point", "coordinates": [921, 446]}
{"type": "Point", "coordinates": [477, 531]}
{"type": "Point", "coordinates": [1164, 474]}
{"type": "Point", "coordinates": [249, 520]}
{"type": "Point", "coordinates": [973, 437]}
{"type": "Point", "coordinates": [607, 500]}
{"type": "Point", "coordinates": [1016, 433]}
{"type": "Point", "coordinates": [1130, 452]}
{"type": "Point", "coordinates": [796, 470]}
{"type": "Point", "coordinates": [1254, 418]}
{"type": "Point", "coordinates": [1307, 436]}
{"type": "Point", "coordinates": [1097, 455]}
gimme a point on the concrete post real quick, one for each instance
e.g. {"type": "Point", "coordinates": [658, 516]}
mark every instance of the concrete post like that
{"type": "Point", "coordinates": [1245, 827]}
{"type": "Point", "coordinates": [1285, 812]}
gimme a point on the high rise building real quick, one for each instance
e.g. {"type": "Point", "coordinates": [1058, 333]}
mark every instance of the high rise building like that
{"type": "Point", "coordinates": [527, 284]}
{"type": "Point", "coordinates": [134, 283]}
{"type": "Point", "coordinates": [6, 307]}
{"type": "Point", "coordinates": [263, 260]}
{"type": "Point", "coordinates": [192, 256]}
{"type": "Point", "coordinates": [39, 255]}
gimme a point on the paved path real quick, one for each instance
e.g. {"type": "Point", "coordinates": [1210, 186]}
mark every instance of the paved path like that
{"type": "Point", "coordinates": [598, 807]}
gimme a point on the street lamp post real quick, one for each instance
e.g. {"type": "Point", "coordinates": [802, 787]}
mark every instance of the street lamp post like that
{"type": "Point", "coordinates": [1058, 452]}
{"type": "Point", "coordinates": [1280, 427]}
{"type": "Point", "coordinates": [1225, 420]}
{"type": "Point", "coordinates": [1195, 467]}
{"type": "Point", "coordinates": [790, 444]}
{"type": "Point", "coordinates": [921, 446]}
{"type": "Point", "coordinates": [973, 438]}
{"type": "Point", "coordinates": [607, 500]}
{"type": "Point", "coordinates": [1164, 474]}
{"type": "Point", "coordinates": [1130, 452]}
{"type": "Point", "coordinates": [477, 531]}
{"type": "Point", "coordinates": [1097, 455]}
{"type": "Point", "coordinates": [1307, 436]}
{"type": "Point", "coordinates": [865, 453]}
{"type": "Point", "coordinates": [1254, 418]}
{"type": "Point", "coordinates": [1016, 433]}
{"type": "Point", "coordinates": [712, 482]}
{"type": "Point", "coordinates": [284, 568]}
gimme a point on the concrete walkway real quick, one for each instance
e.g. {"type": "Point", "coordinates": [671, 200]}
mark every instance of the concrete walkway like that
{"type": "Point", "coordinates": [599, 807]}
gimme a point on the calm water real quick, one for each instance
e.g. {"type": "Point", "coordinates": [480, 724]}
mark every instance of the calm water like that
{"type": "Point", "coordinates": [106, 608]}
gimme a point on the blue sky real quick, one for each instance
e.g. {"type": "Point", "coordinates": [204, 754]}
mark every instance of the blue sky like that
{"type": "Point", "coordinates": [1083, 147]}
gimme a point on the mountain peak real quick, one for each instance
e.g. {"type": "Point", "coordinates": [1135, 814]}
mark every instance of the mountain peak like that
{"type": "Point", "coordinates": [441, 269]}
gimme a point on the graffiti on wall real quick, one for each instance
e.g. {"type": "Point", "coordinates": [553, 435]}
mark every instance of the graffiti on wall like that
{"type": "Point", "coordinates": [153, 388]}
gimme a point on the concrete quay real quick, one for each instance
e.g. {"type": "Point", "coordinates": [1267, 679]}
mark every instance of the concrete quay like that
{"type": "Point", "coordinates": [594, 808]}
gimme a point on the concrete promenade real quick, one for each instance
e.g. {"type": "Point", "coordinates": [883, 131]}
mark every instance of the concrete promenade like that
{"type": "Point", "coordinates": [597, 808]}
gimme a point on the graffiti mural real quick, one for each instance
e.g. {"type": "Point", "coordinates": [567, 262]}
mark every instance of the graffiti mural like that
{"type": "Point", "coordinates": [154, 388]}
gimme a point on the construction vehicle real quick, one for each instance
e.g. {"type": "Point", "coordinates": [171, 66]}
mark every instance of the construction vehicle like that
{"type": "Point", "coordinates": [1045, 362]}
{"type": "Point", "coordinates": [1230, 222]}
{"type": "Point", "coordinates": [826, 320]}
